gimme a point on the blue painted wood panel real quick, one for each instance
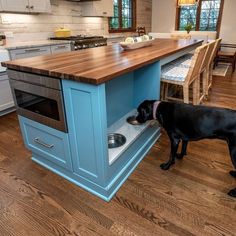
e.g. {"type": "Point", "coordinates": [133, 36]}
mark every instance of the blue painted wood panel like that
{"type": "Point", "coordinates": [119, 97]}
{"type": "Point", "coordinates": [54, 144]}
{"type": "Point", "coordinates": [87, 124]}
{"type": "Point", "coordinates": [147, 83]}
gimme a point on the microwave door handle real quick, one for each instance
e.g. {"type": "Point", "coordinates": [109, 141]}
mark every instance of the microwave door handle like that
{"type": "Point", "coordinates": [37, 140]}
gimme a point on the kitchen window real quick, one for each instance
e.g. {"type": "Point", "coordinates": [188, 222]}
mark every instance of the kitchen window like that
{"type": "Point", "coordinates": [124, 19]}
{"type": "Point", "coordinates": [206, 16]}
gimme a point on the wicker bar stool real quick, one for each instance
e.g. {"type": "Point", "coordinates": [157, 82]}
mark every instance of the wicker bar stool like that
{"type": "Point", "coordinates": [185, 78]}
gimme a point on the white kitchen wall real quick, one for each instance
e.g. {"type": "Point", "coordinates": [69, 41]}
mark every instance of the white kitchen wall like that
{"type": "Point", "coordinates": [164, 11]}
{"type": "Point", "coordinates": [42, 26]}
{"type": "Point", "coordinates": [228, 26]}
{"type": "Point", "coordinates": [64, 13]}
{"type": "Point", "coordinates": [163, 15]}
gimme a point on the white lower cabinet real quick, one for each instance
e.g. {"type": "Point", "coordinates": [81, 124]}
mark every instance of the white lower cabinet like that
{"type": "Point", "coordinates": [38, 51]}
{"type": "Point", "coordinates": [60, 48]}
{"type": "Point", "coordinates": [29, 52]}
{"type": "Point", "coordinates": [6, 99]}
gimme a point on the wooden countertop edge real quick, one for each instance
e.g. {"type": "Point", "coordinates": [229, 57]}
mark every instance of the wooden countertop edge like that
{"type": "Point", "coordinates": [93, 81]}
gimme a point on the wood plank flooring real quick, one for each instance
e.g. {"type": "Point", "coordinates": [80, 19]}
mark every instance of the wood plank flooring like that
{"type": "Point", "coordinates": [189, 199]}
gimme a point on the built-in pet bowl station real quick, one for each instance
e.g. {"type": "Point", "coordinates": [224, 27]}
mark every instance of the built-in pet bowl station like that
{"type": "Point", "coordinates": [98, 119]}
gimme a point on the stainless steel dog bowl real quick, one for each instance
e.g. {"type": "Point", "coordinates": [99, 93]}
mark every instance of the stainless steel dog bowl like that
{"type": "Point", "coordinates": [132, 120]}
{"type": "Point", "coordinates": [116, 140]}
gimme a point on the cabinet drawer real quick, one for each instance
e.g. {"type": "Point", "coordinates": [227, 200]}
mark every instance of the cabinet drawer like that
{"type": "Point", "coordinates": [60, 48]}
{"type": "Point", "coordinates": [46, 142]}
{"type": "Point", "coordinates": [29, 52]}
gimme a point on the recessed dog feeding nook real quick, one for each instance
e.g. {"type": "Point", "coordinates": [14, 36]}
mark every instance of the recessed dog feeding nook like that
{"type": "Point", "coordinates": [98, 90]}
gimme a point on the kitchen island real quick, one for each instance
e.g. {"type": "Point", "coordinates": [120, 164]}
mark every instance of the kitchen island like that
{"type": "Point", "coordinates": [99, 89]}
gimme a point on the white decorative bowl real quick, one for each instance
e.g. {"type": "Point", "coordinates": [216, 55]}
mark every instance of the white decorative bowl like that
{"type": "Point", "coordinates": [130, 46]}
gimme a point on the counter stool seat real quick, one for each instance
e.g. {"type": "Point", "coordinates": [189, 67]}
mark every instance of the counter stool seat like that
{"type": "Point", "coordinates": [177, 74]}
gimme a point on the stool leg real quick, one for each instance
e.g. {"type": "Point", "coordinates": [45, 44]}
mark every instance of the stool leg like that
{"type": "Point", "coordinates": [233, 65]}
{"type": "Point", "coordinates": [186, 93]}
{"type": "Point", "coordinates": [196, 91]}
{"type": "Point", "coordinates": [162, 91]}
{"type": "Point", "coordinates": [205, 81]}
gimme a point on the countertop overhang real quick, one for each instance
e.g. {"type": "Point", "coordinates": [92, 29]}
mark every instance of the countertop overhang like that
{"type": "Point", "coordinates": [99, 65]}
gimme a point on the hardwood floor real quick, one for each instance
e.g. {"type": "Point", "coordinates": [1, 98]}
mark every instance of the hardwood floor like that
{"type": "Point", "coordinates": [189, 199]}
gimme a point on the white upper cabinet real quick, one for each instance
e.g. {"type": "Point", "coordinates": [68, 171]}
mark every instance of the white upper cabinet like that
{"type": "Point", "coordinates": [15, 5]}
{"type": "Point", "coordinates": [40, 6]}
{"type": "Point", "coordinates": [26, 6]}
{"type": "Point", "coordinates": [98, 8]}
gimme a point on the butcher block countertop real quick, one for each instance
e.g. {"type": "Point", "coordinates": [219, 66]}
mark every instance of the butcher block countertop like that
{"type": "Point", "coordinates": [99, 65]}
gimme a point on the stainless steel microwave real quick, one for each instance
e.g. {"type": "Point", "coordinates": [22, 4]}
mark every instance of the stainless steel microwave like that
{"type": "Point", "coordinates": [39, 98]}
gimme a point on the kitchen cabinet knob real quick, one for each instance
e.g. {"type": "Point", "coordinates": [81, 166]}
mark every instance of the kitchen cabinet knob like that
{"type": "Point", "coordinates": [27, 6]}
{"type": "Point", "coordinates": [32, 7]}
{"type": "Point", "coordinates": [104, 13]}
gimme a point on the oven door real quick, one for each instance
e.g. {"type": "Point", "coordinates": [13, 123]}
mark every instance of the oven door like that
{"type": "Point", "coordinates": [41, 104]}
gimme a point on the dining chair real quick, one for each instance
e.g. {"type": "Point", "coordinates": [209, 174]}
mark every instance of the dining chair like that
{"type": "Point", "coordinates": [141, 31]}
{"type": "Point", "coordinates": [184, 78]}
{"type": "Point", "coordinates": [227, 53]}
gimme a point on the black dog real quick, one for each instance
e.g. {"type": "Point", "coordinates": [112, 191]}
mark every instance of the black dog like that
{"type": "Point", "coordinates": [184, 122]}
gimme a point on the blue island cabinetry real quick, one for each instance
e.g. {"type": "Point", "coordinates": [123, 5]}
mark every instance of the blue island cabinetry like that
{"type": "Point", "coordinates": [92, 111]}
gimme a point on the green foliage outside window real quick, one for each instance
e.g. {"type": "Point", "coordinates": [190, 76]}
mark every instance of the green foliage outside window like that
{"type": "Point", "coordinates": [208, 19]}
{"type": "Point", "coordinates": [123, 15]}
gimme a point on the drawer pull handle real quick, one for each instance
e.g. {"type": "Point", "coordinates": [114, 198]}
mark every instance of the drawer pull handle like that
{"type": "Point", "coordinates": [33, 50]}
{"type": "Point", "coordinates": [37, 140]}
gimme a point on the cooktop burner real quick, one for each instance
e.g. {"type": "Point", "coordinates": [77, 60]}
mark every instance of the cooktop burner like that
{"type": "Point", "coordinates": [77, 37]}
{"type": "Point", "coordinates": [80, 42]}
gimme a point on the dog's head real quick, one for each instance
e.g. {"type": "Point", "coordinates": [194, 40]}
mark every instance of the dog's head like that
{"type": "Point", "coordinates": [145, 111]}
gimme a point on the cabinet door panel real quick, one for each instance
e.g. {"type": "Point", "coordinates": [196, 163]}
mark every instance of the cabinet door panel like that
{"type": "Point", "coordinates": [40, 6]}
{"type": "Point", "coordinates": [98, 8]}
{"type": "Point", "coordinates": [60, 48]}
{"type": "Point", "coordinates": [15, 5]}
{"type": "Point", "coordinates": [6, 99]}
{"type": "Point", "coordinates": [86, 122]}
{"type": "Point", "coordinates": [104, 8]}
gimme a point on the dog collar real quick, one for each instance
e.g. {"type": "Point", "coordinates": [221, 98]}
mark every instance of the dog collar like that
{"type": "Point", "coordinates": [155, 105]}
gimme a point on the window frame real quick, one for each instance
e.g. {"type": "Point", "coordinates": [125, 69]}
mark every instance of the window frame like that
{"type": "Point", "coordinates": [134, 15]}
{"type": "Point", "coordinates": [198, 16]}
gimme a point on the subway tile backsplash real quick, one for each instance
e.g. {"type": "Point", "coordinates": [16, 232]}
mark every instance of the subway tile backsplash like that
{"type": "Point", "coordinates": [64, 14]}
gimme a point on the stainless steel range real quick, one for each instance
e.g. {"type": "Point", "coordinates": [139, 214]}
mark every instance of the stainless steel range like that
{"type": "Point", "coordinates": [80, 42]}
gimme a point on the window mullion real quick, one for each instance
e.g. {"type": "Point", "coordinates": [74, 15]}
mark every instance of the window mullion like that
{"type": "Point", "coordinates": [198, 17]}
{"type": "Point", "coordinates": [120, 14]}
